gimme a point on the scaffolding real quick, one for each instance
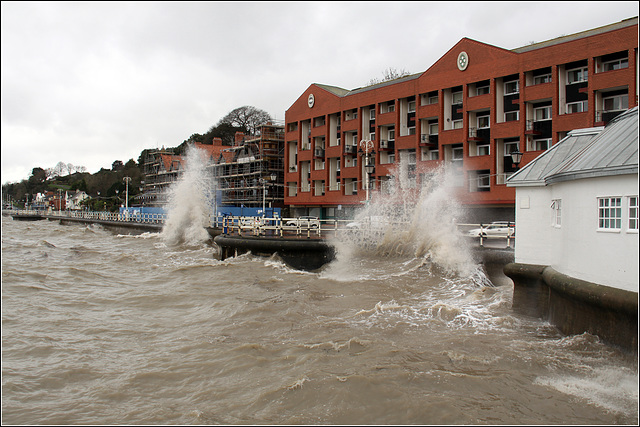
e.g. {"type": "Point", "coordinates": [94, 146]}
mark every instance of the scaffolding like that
{"type": "Point", "coordinates": [251, 172]}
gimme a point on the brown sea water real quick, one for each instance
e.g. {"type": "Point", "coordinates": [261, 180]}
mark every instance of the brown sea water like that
{"type": "Point", "coordinates": [402, 328]}
{"type": "Point", "coordinates": [101, 328]}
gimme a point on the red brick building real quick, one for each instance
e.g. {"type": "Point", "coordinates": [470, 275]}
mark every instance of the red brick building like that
{"type": "Point", "coordinates": [467, 112]}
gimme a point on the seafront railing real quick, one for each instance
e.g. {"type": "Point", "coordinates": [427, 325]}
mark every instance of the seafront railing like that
{"type": "Point", "coordinates": [246, 226]}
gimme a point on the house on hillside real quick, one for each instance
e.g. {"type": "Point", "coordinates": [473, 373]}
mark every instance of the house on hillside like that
{"type": "Point", "coordinates": [576, 258]}
{"type": "Point", "coordinates": [74, 198]}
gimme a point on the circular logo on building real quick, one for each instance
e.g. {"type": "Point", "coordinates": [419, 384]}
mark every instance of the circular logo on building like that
{"type": "Point", "coordinates": [463, 61]}
{"type": "Point", "coordinates": [311, 100]}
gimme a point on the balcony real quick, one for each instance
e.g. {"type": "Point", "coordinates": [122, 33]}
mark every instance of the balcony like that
{"type": "Point", "coordinates": [428, 140]}
{"type": "Point", "coordinates": [387, 145]}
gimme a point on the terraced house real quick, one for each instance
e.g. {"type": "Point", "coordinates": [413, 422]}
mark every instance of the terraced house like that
{"type": "Point", "coordinates": [467, 112]}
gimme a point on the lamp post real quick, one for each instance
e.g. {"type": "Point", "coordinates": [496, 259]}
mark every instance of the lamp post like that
{"type": "Point", "coordinates": [264, 181]}
{"type": "Point", "coordinates": [516, 158]}
{"type": "Point", "coordinates": [126, 179]}
{"type": "Point", "coordinates": [369, 156]}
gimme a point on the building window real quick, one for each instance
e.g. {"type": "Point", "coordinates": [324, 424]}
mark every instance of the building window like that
{"type": "Point", "coordinates": [577, 75]}
{"type": "Point", "coordinates": [512, 116]}
{"type": "Point", "coordinates": [372, 114]}
{"type": "Point", "coordinates": [615, 65]}
{"type": "Point", "coordinates": [483, 150]}
{"type": "Point", "coordinates": [633, 213]}
{"type": "Point", "coordinates": [482, 90]}
{"type": "Point", "coordinates": [542, 144]}
{"type": "Point", "coordinates": [577, 107]}
{"type": "Point", "coordinates": [556, 205]}
{"type": "Point", "coordinates": [456, 98]}
{"type": "Point", "coordinates": [615, 103]}
{"type": "Point", "coordinates": [609, 213]}
{"type": "Point", "coordinates": [412, 106]}
{"type": "Point", "coordinates": [483, 122]}
{"type": "Point", "coordinates": [433, 128]}
{"type": "Point", "coordinates": [511, 88]}
{"type": "Point", "coordinates": [538, 80]}
{"type": "Point", "coordinates": [542, 113]}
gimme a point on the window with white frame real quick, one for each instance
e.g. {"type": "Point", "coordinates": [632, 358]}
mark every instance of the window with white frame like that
{"type": "Point", "coordinates": [483, 150]}
{"type": "Point", "coordinates": [545, 78]}
{"type": "Point", "coordinates": [391, 134]}
{"type": "Point", "coordinates": [433, 128]}
{"type": "Point", "coordinates": [615, 103]}
{"type": "Point", "coordinates": [609, 213]}
{"type": "Point", "coordinates": [456, 98]}
{"type": "Point", "coordinates": [457, 124]}
{"type": "Point", "coordinates": [542, 113]}
{"type": "Point", "coordinates": [433, 155]}
{"type": "Point", "coordinates": [633, 213]}
{"type": "Point", "coordinates": [482, 90]}
{"type": "Point", "coordinates": [541, 144]}
{"type": "Point", "coordinates": [577, 107]}
{"type": "Point", "coordinates": [512, 87]}
{"type": "Point", "coordinates": [483, 122]}
{"type": "Point", "coordinates": [412, 106]}
{"type": "Point", "coordinates": [615, 64]}
{"type": "Point", "coordinates": [556, 206]}
{"type": "Point", "coordinates": [577, 75]}
{"type": "Point", "coordinates": [512, 116]}
{"type": "Point", "coordinates": [372, 114]}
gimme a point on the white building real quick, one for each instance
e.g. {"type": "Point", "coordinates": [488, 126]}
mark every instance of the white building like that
{"type": "Point", "coordinates": [576, 257]}
{"type": "Point", "coordinates": [577, 205]}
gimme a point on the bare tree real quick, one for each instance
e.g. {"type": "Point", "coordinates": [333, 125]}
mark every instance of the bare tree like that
{"type": "Point", "coordinates": [388, 75]}
{"type": "Point", "coordinates": [247, 117]}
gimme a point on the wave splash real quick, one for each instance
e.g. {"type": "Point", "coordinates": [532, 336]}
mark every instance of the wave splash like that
{"type": "Point", "coordinates": [414, 223]}
{"type": "Point", "coordinates": [190, 203]}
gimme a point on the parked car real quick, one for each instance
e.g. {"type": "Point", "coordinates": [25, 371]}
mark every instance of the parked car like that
{"type": "Point", "coordinates": [497, 228]}
{"type": "Point", "coordinates": [250, 222]}
{"type": "Point", "coordinates": [304, 222]}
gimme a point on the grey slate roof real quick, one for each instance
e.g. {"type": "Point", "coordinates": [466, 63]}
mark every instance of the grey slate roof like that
{"type": "Point", "coordinates": [586, 153]}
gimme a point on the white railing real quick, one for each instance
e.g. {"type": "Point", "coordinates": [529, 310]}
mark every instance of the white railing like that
{"type": "Point", "coordinates": [273, 226]}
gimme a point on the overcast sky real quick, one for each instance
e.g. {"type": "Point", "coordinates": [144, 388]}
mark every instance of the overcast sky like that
{"type": "Point", "coordinates": [90, 83]}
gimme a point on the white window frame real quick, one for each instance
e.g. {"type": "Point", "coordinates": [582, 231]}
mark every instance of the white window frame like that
{"type": "Point", "coordinates": [507, 114]}
{"type": "Point", "coordinates": [483, 150]}
{"type": "Point", "coordinates": [457, 154]}
{"type": "Point", "coordinates": [542, 79]}
{"type": "Point", "coordinates": [434, 155]}
{"type": "Point", "coordinates": [481, 119]}
{"type": "Point", "coordinates": [391, 134]}
{"type": "Point", "coordinates": [546, 113]}
{"type": "Point", "coordinates": [556, 218]}
{"type": "Point", "coordinates": [433, 128]}
{"type": "Point", "coordinates": [632, 222]}
{"type": "Point", "coordinates": [372, 114]}
{"type": "Point", "coordinates": [577, 75]}
{"type": "Point", "coordinates": [621, 100]}
{"type": "Point", "coordinates": [512, 87]}
{"type": "Point", "coordinates": [581, 107]}
{"type": "Point", "coordinates": [510, 147]}
{"type": "Point", "coordinates": [482, 90]}
{"type": "Point", "coordinates": [483, 181]}
{"type": "Point", "coordinates": [610, 213]}
{"type": "Point", "coordinates": [456, 98]}
{"type": "Point", "coordinates": [457, 124]}
{"type": "Point", "coordinates": [537, 143]}
{"type": "Point", "coordinates": [412, 107]}
{"type": "Point", "coordinates": [617, 64]}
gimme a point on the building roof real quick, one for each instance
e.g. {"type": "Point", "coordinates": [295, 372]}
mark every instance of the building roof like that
{"type": "Point", "coordinates": [586, 153]}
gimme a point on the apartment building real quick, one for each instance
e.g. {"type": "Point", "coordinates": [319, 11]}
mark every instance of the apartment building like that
{"type": "Point", "coordinates": [467, 112]}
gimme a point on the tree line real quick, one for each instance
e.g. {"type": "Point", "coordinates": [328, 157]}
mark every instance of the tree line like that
{"type": "Point", "coordinates": [107, 187]}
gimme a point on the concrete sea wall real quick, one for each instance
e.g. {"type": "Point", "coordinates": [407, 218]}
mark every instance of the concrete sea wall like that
{"type": "Point", "coordinates": [576, 306]}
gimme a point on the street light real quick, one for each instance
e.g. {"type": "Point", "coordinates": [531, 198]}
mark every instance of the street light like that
{"type": "Point", "coordinates": [264, 181]}
{"type": "Point", "coordinates": [516, 158]}
{"type": "Point", "coordinates": [370, 160]}
{"type": "Point", "coordinates": [126, 200]}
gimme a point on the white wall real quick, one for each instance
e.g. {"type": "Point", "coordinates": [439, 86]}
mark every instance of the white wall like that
{"type": "Point", "coordinates": [577, 248]}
